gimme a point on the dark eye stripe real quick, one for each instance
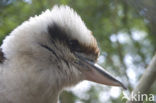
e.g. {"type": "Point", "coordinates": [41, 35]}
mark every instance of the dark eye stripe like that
{"type": "Point", "coordinates": [73, 43]}
{"type": "Point", "coordinates": [75, 46]}
{"type": "Point", "coordinates": [57, 33]}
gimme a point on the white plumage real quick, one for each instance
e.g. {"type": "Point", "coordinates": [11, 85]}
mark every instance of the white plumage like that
{"type": "Point", "coordinates": [47, 53]}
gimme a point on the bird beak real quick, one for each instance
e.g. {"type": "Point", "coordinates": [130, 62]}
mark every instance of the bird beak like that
{"type": "Point", "coordinates": [94, 72]}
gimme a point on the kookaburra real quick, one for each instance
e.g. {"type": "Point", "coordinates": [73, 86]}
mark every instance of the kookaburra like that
{"type": "Point", "coordinates": [46, 54]}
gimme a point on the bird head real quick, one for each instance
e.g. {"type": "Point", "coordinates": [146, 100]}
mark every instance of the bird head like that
{"type": "Point", "coordinates": [59, 44]}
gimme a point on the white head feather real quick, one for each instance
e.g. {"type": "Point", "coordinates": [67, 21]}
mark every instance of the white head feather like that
{"type": "Point", "coordinates": [63, 16]}
{"type": "Point", "coordinates": [28, 66]}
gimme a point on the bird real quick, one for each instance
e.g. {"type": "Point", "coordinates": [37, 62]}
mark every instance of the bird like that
{"type": "Point", "coordinates": [47, 53]}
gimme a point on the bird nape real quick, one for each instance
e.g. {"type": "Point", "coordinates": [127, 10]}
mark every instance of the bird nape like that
{"type": "Point", "coordinates": [46, 54]}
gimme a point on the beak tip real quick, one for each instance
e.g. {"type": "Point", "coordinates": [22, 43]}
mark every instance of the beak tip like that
{"type": "Point", "coordinates": [123, 86]}
{"type": "Point", "coordinates": [98, 74]}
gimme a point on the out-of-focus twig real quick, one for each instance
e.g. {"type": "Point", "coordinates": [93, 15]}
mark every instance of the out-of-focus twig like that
{"type": "Point", "coordinates": [146, 81]}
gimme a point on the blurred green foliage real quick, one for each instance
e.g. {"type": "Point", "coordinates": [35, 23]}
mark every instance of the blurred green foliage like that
{"type": "Point", "coordinates": [126, 39]}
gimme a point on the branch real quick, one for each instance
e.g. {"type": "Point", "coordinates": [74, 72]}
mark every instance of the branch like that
{"type": "Point", "coordinates": [146, 80]}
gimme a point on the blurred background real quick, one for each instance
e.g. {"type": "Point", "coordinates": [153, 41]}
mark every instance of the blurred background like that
{"type": "Point", "coordinates": [125, 31]}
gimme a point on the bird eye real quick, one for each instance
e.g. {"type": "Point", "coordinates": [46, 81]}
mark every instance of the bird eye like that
{"type": "Point", "coordinates": [74, 45]}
